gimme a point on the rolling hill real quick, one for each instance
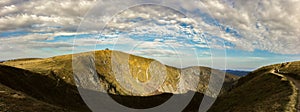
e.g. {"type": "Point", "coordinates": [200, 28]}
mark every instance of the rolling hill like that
{"type": "Point", "coordinates": [176, 80]}
{"type": "Point", "coordinates": [40, 84]}
{"type": "Point", "coordinates": [49, 80]}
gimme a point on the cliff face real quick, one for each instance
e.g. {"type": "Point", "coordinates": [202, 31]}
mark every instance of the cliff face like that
{"type": "Point", "coordinates": [121, 73]}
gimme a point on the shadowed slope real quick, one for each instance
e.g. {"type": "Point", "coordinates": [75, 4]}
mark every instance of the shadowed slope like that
{"type": "Point", "coordinates": [16, 101]}
{"type": "Point", "coordinates": [42, 88]}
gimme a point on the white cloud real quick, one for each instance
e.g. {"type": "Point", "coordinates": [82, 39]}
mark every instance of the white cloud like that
{"type": "Point", "coordinates": [32, 45]}
{"type": "Point", "coordinates": [44, 13]}
{"type": "Point", "coordinates": [264, 25]}
{"type": "Point", "coordinates": [156, 53]}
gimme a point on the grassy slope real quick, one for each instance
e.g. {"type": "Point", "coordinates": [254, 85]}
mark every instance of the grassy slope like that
{"type": "Point", "coordinates": [16, 101]}
{"type": "Point", "coordinates": [41, 88]}
{"type": "Point", "coordinates": [292, 69]}
{"type": "Point", "coordinates": [258, 91]}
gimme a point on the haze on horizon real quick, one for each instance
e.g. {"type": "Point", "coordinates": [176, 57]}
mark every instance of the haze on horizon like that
{"type": "Point", "coordinates": [255, 33]}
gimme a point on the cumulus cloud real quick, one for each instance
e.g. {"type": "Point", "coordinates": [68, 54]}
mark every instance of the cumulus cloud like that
{"type": "Point", "coordinates": [156, 53]}
{"type": "Point", "coordinates": [24, 14]}
{"type": "Point", "coordinates": [265, 25]}
{"type": "Point", "coordinates": [252, 27]}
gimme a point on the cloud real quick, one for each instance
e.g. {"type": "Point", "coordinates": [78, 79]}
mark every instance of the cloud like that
{"type": "Point", "coordinates": [264, 25]}
{"type": "Point", "coordinates": [32, 45]}
{"type": "Point", "coordinates": [267, 25]}
{"type": "Point", "coordinates": [24, 14]}
{"type": "Point", "coordinates": [156, 53]}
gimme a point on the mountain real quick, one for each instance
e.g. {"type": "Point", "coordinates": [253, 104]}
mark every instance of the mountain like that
{"type": "Point", "coordinates": [49, 80]}
{"type": "Point", "coordinates": [237, 72]}
{"type": "Point", "coordinates": [176, 80]}
{"type": "Point", "coordinates": [270, 88]}
{"type": "Point", "coordinates": [40, 84]}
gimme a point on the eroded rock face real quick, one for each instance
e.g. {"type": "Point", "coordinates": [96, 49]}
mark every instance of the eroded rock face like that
{"type": "Point", "coordinates": [189, 79]}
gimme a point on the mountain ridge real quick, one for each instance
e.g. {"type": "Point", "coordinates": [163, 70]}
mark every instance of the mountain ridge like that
{"type": "Point", "coordinates": [60, 67]}
{"type": "Point", "coordinates": [269, 88]}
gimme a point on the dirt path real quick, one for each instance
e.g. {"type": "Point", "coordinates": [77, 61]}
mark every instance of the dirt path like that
{"type": "Point", "coordinates": [297, 84]}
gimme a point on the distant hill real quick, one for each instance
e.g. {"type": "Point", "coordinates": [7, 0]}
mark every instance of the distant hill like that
{"type": "Point", "coordinates": [237, 72]}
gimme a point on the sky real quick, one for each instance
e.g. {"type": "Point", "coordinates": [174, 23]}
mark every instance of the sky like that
{"type": "Point", "coordinates": [244, 34]}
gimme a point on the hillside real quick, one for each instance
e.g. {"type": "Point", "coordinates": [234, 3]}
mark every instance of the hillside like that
{"type": "Point", "coordinates": [15, 101]}
{"type": "Point", "coordinates": [270, 88]}
{"type": "Point", "coordinates": [291, 69]}
{"type": "Point", "coordinates": [40, 84]}
{"type": "Point", "coordinates": [48, 80]}
{"type": "Point", "coordinates": [22, 90]}
{"type": "Point", "coordinates": [177, 81]}
{"type": "Point", "coordinates": [25, 91]}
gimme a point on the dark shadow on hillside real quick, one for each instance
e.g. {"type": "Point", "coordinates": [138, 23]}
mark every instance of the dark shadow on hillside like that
{"type": "Point", "coordinates": [137, 102]}
{"type": "Point", "coordinates": [194, 105]}
{"type": "Point", "coordinates": [42, 88]}
{"type": "Point", "coordinates": [116, 103]}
